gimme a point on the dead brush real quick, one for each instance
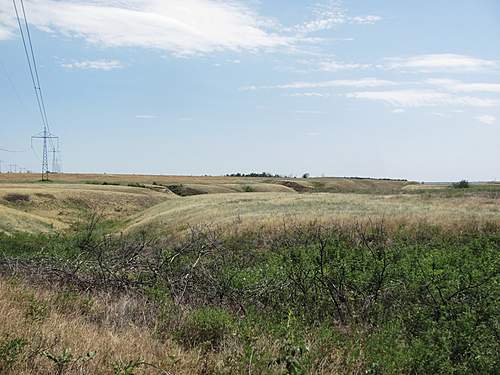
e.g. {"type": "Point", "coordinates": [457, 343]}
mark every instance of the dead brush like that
{"type": "Point", "coordinates": [17, 197]}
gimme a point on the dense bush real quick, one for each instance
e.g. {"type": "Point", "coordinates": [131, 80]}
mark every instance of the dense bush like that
{"type": "Point", "coordinates": [410, 299]}
{"type": "Point", "coordinates": [464, 184]}
{"type": "Point", "coordinates": [207, 325]}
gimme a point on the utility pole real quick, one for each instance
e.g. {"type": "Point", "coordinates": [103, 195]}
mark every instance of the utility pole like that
{"type": "Point", "coordinates": [56, 167]}
{"type": "Point", "coordinates": [1, 161]}
{"type": "Point", "coordinates": [54, 161]}
{"type": "Point", "coordinates": [45, 136]}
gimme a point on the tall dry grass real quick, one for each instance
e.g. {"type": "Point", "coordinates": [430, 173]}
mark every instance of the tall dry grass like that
{"type": "Point", "coordinates": [119, 330]}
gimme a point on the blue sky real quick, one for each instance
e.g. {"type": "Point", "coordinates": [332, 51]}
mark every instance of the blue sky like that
{"type": "Point", "coordinates": [339, 88]}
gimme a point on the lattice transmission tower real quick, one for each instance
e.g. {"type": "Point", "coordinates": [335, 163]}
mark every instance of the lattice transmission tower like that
{"type": "Point", "coordinates": [46, 136]}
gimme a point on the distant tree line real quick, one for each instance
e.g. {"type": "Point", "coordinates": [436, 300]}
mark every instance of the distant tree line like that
{"type": "Point", "coordinates": [377, 179]}
{"type": "Point", "coordinates": [253, 174]}
{"type": "Point", "coordinates": [306, 175]}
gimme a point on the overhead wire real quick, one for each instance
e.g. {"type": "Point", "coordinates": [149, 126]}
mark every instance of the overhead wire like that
{"type": "Point", "coordinates": [9, 79]}
{"type": "Point", "coordinates": [35, 66]}
{"type": "Point", "coordinates": [11, 151]}
{"type": "Point", "coordinates": [40, 108]}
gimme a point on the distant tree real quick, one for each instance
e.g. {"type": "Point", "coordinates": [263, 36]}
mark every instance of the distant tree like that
{"type": "Point", "coordinates": [464, 184]}
{"type": "Point", "coordinates": [305, 175]}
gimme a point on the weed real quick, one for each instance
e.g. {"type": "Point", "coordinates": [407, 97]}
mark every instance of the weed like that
{"type": "Point", "coordinates": [127, 368]}
{"type": "Point", "coordinates": [37, 309]}
{"type": "Point", "coordinates": [65, 359]}
{"type": "Point", "coordinates": [10, 351]}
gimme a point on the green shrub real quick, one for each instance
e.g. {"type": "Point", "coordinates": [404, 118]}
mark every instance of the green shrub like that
{"type": "Point", "coordinates": [127, 368]}
{"type": "Point", "coordinates": [10, 350]}
{"type": "Point", "coordinates": [464, 184]}
{"type": "Point", "coordinates": [66, 359]}
{"type": "Point", "coordinates": [248, 189]}
{"type": "Point", "coordinates": [137, 185]}
{"type": "Point", "coordinates": [68, 301]}
{"type": "Point", "coordinates": [37, 310]}
{"type": "Point", "coordinates": [207, 325]}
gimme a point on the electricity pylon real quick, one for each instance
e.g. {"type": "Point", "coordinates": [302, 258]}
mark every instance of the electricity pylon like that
{"type": "Point", "coordinates": [55, 168]}
{"type": "Point", "coordinates": [45, 136]}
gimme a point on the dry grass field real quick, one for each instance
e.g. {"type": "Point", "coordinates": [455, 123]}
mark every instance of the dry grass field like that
{"type": "Point", "coordinates": [230, 277]}
{"type": "Point", "coordinates": [254, 209]}
{"type": "Point", "coordinates": [46, 207]}
{"type": "Point", "coordinates": [133, 202]}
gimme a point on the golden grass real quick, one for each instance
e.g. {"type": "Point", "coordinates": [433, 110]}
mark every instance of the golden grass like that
{"type": "Point", "coordinates": [231, 183]}
{"type": "Point", "coordinates": [57, 206]}
{"type": "Point", "coordinates": [113, 328]}
{"type": "Point", "coordinates": [268, 208]}
{"type": "Point", "coordinates": [58, 331]}
{"type": "Point", "coordinates": [16, 220]}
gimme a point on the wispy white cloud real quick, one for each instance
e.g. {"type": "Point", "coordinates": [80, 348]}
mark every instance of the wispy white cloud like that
{"type": "Point", "coordinates": [359, 83]}
{"type": "Point", "coordinates": [366, 20]}
{"type": "Point", "coordinates": [330, 14]}
{"type": "Point", "coordinates": [459, 86]}
{"type": "Point", "coordinates": [94, 65]}
{"type": "Point", "coordinates": [398, 110]}
{"type": "Point", "coordinates": [326, 16]}
{"type": "Point", "coordinates": [5, 33]}
{"type": "Point", "coordinates": [441, 114]}
{"type": "Point", "coordinates": [310, 94]}
{"type": "Point", "coordinates": [439, 62]}
{"type": "Point", "coordinates": [146, 117]}
{"type": "Point", "coordinates": [487, 119]}
{"type": "Point", "coordinates": [336, 66]}
{"type": "Point", "coordinates": [7, 23]}
{"type": "Point", "coordinates": [181, 27]}
{"type": "Point", "coordinates": [422, 98]}
{"type": "Point", "coordinates": [309, 112]}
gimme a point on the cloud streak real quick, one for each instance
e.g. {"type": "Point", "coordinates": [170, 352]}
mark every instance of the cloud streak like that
{"type": "Point", "coordinates": [486, 119]}
{"type": "Point", "coordinates": [105, 65]}
{"type": "Point", "coordinates": [359, 83]}
{"type": "Point", "coordinates": [421, 98]}
{"type": "Point", "coordinates": [439, 62]}
{"type": "Point", "coordinates": [459, 86]}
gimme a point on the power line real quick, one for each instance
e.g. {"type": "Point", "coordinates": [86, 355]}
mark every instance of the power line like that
{"type": "Point", "coordinates": [5, 150]}
{"type": "Point", "coordinates": [9, 79]}
{"type": "Point", "coordinates": [29, 62]}
{"type": "Point", "coordinates": [46, 136]}
{"type": "Point", "coordinates": [34, 66]}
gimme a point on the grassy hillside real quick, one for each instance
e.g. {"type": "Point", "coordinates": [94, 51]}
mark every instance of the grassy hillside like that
{"type": "Point", "coordinates": [253, 209]}
{"type": "Point", "coordinates": [46, 207]}
{"type": "Point", "coordinates": [220, 184]}
{"type": "Point", "coordinates": [36, 207]}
